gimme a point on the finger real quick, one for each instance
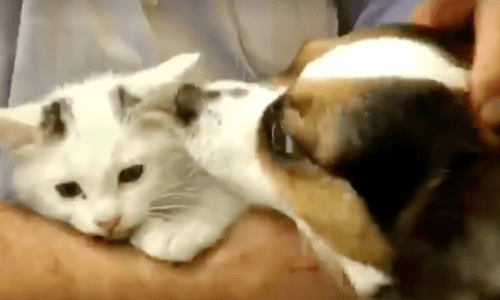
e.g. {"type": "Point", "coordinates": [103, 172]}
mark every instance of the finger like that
{"type": "Point", "coordinates": [421, 13]}
{"type": "Point", "coordinates": [489, 123]}
{"type": "Point", "coordinates": [485, 76]}
{"type": "Point", "coordinates": [443, 13]}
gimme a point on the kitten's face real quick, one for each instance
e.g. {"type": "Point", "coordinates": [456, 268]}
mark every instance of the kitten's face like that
{"type": "Point", "coordinates": [96, 154]}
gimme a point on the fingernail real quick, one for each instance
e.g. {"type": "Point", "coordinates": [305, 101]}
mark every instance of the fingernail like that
{"type": "Point", "coordinates": [421, 14]}
{"type": "Point", "coordinates": [490, 112]}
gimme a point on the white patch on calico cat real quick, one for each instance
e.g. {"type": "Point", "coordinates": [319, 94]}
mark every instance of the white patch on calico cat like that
{"type": "Point", "coordinates": [387, 56]}
{"type": "Point", "coordinates": [223, 139]}
{"type": "Point", "coordinates": [105, 155]}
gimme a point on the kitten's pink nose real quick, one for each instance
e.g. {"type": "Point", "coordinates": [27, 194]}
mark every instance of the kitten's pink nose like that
{"type": "Point", "coordinates": [110, 224]}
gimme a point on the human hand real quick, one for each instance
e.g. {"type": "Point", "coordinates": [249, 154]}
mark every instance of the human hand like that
{"type": "Point", "coordinates": [485, 76]}
{"type": "Point", "coordinates": [261, 259]}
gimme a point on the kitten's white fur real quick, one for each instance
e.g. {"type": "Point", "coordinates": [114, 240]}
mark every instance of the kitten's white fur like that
{"type": "Point", "coordinates": [224, 138]}
{"type": "Point", "coordinates": [189, 210]}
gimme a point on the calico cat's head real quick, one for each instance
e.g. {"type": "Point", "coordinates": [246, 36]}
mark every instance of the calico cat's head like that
{"type": "Point", "coordinates": [94, 154]}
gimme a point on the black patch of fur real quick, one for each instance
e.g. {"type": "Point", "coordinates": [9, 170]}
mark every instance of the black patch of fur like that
{"type": "Point", "coordinates": [126, 99]}
{"type": "Point", "coordinates": [212, 94]}
{"type": "Point", "coordinates": [52, 121]}
{"type": "Point", "coordinates": [190, 98]}
{"type": "Point", "coordinates": [496, 129]}
{"type": "Point", "coordinates": [188, 102]}
{"type": "Point", "coordinates": [408, 132]}
{"type": "Point", "coordinates": [238, 92]}
{"type": "Point", "coordinates": [123, 101]}
{"type": "Point", "coordinates": [412, 134]}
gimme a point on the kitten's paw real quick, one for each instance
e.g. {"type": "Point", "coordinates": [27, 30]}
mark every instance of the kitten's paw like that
{"type": "Point", "coordinates": [176, 241]}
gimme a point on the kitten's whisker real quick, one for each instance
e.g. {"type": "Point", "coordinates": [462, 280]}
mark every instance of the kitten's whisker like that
{"type": "Point", "coordinates": [175, 185]}
{"type": "Point", "coordinates": [193, 172]}
{"type": "Point", "coordinates": [178, 194]}
{"type": "Point", "coordinates": [160, 216]}
{"type": "Point", "coordinates": [169, 207]}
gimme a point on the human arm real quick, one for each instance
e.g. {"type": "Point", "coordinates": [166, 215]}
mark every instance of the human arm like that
{"type": "Point", "coordinates": [43, 259]}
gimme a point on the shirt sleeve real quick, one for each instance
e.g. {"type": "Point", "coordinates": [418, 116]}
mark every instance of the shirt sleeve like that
{"type": "Point", "coordinates": [378, 12]}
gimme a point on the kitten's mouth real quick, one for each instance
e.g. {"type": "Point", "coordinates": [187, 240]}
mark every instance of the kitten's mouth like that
{"type": "Point", "coordinates": [116, 236]}
{"type": "Point", "coordinates": [104, 240]}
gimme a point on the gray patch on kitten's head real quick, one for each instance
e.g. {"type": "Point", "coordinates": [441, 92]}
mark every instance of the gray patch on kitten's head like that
{"type": "Point", "coordinates": [212, 94]}
{"type": "Point", "coordinates": [190, 99]}
{"type": "Point", "coordinates": [126, 99]}
{"type": "Point", "coordinates": [55, 117]}
{"type": "Point", "coordinates": [238, 92]}
{"type": "Point", "coordinates": [122, 101]}
{"type": "Point", "coordinates": [235, 93]}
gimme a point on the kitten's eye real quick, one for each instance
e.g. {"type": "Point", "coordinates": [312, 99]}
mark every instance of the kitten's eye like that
{"type": "Point", "coordinates": [130, 174]}
{"type": "Point", "coordinates": [69, 189]}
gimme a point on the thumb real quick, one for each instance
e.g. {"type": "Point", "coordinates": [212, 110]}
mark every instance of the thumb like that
{"type": "Point", "coordinates": [443, 13]}
{"type": "Point", "coordinates": [485, 79]}
{"type": "Point", "coordinates": [485, 76]}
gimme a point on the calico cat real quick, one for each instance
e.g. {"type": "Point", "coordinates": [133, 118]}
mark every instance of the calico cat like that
{"type": "Point", "coordinates": [105, 156]}
{"type": "Point", "coordinates": [373, 152]}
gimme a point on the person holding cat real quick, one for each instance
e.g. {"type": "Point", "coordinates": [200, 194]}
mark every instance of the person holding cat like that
{"type": "Point", "coordinates": [237, 47]}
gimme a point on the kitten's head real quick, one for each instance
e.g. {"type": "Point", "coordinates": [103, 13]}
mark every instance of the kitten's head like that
{"type": "Point", "coordinates": [96, 154]}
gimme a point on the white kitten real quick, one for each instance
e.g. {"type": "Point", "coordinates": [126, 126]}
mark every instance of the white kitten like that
{"type": "Point", "coordinates": [97, 154]}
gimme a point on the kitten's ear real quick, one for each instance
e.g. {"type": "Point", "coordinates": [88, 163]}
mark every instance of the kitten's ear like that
{"type": "Point", "coordinates": [179, 68]}
{"type": "Point", "coordinates": [15, 135]}
{"type": "Point", "coordinates": [55, 118]}
{"type": "Point", "coordinates": [19, 126]}
{"type": "Point", "coordinates": [126, 99]}
{"type": "Point", "coordinates": [33, 124]}
{"type": "Point", "coordinates": [154, 89]}
{"type": "Point", "coordinates": [123, 101]}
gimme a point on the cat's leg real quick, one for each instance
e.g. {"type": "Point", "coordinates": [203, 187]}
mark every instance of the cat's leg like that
{"type": "Point", "coordinates": [179, 237]}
